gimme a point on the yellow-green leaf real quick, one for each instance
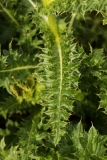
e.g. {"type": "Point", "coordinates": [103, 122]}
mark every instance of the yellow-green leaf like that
{"type": "Point", "coordinates": [53, 25]}
{"type": "Point", "coordinates": [46, 2]}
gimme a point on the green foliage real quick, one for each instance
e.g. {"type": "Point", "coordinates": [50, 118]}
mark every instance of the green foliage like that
{"type": "Point", "coordinates": [53, 72]}
{"type": "Point", "coordinates": [77, 144]}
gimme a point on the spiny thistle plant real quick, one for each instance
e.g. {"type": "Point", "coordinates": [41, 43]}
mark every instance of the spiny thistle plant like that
{"type": "Point", "coordinates": [48, 74]}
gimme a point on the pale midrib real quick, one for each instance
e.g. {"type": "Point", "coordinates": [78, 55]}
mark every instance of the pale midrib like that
{"type": "Point", "coordinates": [60, 83]}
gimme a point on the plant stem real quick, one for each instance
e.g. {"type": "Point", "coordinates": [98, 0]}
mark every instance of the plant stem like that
{"type": "Point", "coordinates": [8, 13]}
{"type": "Point", "coordinates": [71, 22]}
{"type": "Point", "coordinates": [18, 68]}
